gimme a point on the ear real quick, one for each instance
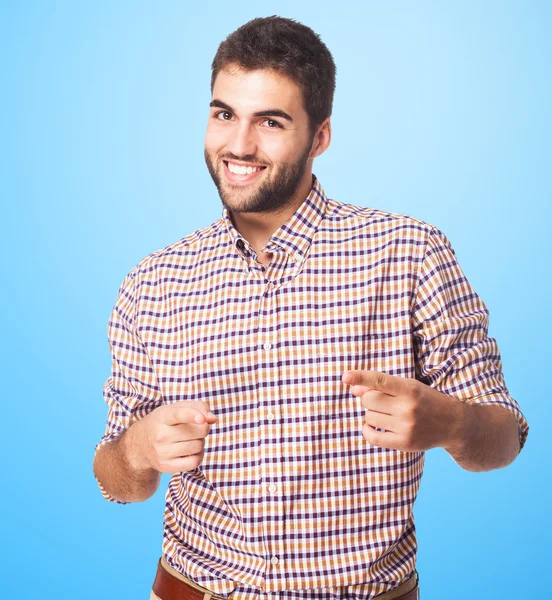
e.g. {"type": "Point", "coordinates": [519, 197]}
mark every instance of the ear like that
{"type": "Point", "coordinates": [321, 139]}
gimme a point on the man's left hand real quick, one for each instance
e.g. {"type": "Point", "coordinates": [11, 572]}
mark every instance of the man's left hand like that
{"type": "Point", "coordinates": [415, 416]}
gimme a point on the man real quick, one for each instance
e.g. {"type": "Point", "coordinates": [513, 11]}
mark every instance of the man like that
{"type": "Point", "coordinates": [291, 363]}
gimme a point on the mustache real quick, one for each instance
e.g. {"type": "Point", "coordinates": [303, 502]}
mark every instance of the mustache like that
{"type": "Point", "coordinates": [251, 158]}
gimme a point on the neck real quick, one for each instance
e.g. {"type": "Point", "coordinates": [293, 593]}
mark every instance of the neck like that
{"type": "Point", "coordinates": [257, 228]}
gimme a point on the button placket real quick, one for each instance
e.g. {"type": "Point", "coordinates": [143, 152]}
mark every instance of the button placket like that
{"type": "Point", "coordinates": [272, 486]}
{"type": "Point", "coordinates": [270, 478]}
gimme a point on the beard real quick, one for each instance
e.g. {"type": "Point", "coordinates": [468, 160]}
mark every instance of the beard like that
{"type": "Point", "coordinates": [271, 196]}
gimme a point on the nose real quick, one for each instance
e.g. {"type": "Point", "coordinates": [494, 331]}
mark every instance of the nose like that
{"type": "Point", "coordinates": [243, 140]}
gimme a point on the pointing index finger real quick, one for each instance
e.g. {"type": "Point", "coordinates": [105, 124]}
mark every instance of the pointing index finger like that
{"type": "Point", "coordinates": [373, 380]}
{"type": "Point", "coordinates": [188, 414]}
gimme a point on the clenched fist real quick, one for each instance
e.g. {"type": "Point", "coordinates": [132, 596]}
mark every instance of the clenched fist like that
{"type": "Point", "coordinates": [170, 439]}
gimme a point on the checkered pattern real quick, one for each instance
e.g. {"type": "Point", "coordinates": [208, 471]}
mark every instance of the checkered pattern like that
{"type": "Point", "coordinates": [290, 497]}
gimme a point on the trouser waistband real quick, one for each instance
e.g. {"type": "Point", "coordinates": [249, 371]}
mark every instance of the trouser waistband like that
{"type": "Point", "coordinates": [169, 584]}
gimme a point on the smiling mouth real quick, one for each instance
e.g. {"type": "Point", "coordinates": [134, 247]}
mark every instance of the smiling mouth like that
{"type": "Point", "coordinates": [236, 173]}
{"type": "Point", "coordinates": [238, 169]}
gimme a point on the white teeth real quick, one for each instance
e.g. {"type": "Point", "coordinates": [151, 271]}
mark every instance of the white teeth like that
{"type": "Point", "coordinates": [241, 169]}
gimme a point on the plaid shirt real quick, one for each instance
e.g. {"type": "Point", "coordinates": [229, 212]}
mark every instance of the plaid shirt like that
{"type": "Point", "coordinates": [289, 495]}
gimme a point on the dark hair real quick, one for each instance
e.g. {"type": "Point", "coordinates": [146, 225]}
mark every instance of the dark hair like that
{"type": "Point", "coordinates": [290, 48]}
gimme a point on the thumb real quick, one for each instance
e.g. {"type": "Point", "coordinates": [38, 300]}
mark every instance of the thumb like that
{"type": "Point", "coordinates": [359, 390]}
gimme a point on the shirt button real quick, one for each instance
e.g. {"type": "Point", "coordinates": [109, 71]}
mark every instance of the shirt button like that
{"type": "Point", "coordinates": [274, 560]}
{"type": "Point", "coordinates": [270, 416]}
{"type": "Point", "coordinates": [267, 346]}
{"type": "Point", "coordinates": [272, 488]}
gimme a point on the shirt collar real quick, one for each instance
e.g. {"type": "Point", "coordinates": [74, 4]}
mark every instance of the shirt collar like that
{"type": "Point", "coordinates": [295, 235]}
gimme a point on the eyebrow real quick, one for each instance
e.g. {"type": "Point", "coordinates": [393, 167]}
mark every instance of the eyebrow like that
{"type": "Point", "coordinates": [270, 112]}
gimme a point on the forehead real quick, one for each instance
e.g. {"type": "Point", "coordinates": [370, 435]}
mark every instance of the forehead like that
{"type": "Point", "coordinates": [251, 91]}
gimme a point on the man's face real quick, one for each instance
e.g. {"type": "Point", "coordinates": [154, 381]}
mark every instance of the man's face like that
{"type": "Point", "coordinates": [258, 140]}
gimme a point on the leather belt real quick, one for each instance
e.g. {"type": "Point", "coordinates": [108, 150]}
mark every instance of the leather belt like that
{"type": "Point", "coordinates": [171, 585]}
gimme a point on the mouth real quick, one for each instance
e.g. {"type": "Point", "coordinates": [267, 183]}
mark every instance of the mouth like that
{"type": "Point", "coordinates": [236, 172]}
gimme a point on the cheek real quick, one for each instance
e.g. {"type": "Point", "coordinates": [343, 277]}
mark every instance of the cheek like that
{"type": "Point", "coordinates": [214, 139]}
{"type": "Point", "coordinates": [279, 150]}
{"type": "Point", "coordinates": [285, 148]}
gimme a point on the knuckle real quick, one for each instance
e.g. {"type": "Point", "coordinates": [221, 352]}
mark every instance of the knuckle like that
{"type": "Point", "coordinates": [184, 433]}
{"type": "Point", "coordinates": [370, 418]}
{"type": "Point", "coordinates": [375, 439]}
{"type": "Point", "coordinates": [409, 439]}
{"type": "Point", "coordinates": [164, 408]}
{"type": "Point", "coordinates": [185, 464]}
{"type": "Point", "coordinates": [195, 431]}
{"type": "Point", "coordinates": [409, 412]}
{"type": "Point", "coordinates": [165, 468]}
{"type": "Point", "coordinates": [196, 446]}
{"type": "Point", "coordinates": [155, 441]}
{"type": "Point", "coordinates": [158, 437]}
{"type": "Point", "coordinates": [192, 462]}
{"type": "Point", "coordinates": [381, 380]}
{"type": "Point", "coordinates": [414, 390]}
{"type": "Point", "coordinates": [167, 412]}
{"type": "Point", "coordinates": [369, 434]}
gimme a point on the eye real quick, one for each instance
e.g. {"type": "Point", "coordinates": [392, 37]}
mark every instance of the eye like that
{"type": "Point", "coordinates": [272, 124]}
{"type": "Point", "coordinates": [223, 115]}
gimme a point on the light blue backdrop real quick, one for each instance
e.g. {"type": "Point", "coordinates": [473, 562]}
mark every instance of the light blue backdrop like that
{"type": "Point", "coordinates": [442, 111]}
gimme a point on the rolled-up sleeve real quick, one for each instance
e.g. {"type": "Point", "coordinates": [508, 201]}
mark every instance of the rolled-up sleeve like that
{"type": "Point", "coordinates": [454, 353]}
{"type": "Point", "coordinates": [132, 390]}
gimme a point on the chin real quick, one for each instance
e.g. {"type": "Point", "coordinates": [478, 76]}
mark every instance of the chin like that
{"type": "Point", "coordinates": [238, 205]}
{"type": "Point", "coordinates": [238, 198]}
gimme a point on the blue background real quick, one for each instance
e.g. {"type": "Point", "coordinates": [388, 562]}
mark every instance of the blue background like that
{"type": "Point", "coordinates": [442, 111]}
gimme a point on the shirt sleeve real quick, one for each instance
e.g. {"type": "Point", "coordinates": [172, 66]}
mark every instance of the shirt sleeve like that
{"type": "Point", "coordinates": [450, 327]}
{"type": "Point", "coordinates": [132, 390]}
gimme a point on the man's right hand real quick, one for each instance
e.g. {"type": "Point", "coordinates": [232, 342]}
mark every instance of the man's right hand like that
{"type": "Point", "coordinates": [171, 438]}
